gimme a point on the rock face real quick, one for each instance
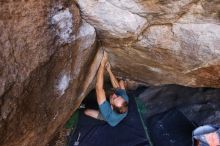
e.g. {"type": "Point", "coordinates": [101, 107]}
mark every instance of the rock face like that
{"type": "Point", "coordinates": [47, 64]}
{"type": "Point", "coordinates": [49, 54]}
{"type": "Point", "coordinates": [200, 105]}
{"type": "Point", "coordinates": [159, 42]}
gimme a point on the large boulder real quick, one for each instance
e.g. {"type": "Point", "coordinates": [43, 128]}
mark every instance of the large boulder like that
{"type": "Point", "coordinates": [49, 54]}
{"type": "Point", "coordinates": [48, 61]}
{"type": "Point", "coordinates": [158, 41]}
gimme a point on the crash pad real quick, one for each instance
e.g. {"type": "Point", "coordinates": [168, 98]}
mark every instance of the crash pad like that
{"type": "Point", "coordinates": [170, 128]}
{"type": "Point", "coordinates": [93, 132]}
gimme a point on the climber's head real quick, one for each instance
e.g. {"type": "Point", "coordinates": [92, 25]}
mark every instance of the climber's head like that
{"type": "Point", "coordinates": [119, 104]}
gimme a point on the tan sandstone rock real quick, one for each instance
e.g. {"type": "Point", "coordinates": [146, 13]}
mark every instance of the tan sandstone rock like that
{"type": "Point", "coordinates": [49, 54]}
{"type": "Point", "coordinates": [177, 41]}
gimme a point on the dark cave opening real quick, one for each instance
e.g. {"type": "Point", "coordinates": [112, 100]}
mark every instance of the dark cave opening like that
{"type": "Point", "coordinates": [189, 107]}
{"type": "Point", "coordinates": [199, 106]}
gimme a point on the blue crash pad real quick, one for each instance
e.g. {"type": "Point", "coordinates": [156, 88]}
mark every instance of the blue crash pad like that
{"type": "Point", "coordinates": [93, 132]}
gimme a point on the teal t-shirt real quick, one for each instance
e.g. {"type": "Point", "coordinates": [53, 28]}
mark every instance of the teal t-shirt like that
{"type": "Point", "coordinates": [110, 116]}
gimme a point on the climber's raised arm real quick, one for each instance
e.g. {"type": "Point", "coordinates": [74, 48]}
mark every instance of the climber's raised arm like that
{"type": "Point", "coordinates": [100, 92]}
{"type": "Point", "coordinates": [113, 79]}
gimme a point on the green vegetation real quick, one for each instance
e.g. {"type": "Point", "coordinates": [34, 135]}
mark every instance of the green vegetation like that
{"type": "Point", "coordinates": [72, 121]}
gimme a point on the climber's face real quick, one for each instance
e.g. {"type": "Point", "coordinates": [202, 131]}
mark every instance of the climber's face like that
{"type": "Point", "coordinates": [116, 100]}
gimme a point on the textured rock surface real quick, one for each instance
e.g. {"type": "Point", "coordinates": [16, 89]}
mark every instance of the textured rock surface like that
{"type": "Point", "coordinates": [200, 105]}
{"type": "Point", "coordinates": [160, 42]}
{"type": "Point", "coordinates": [49, 55]}
{"type": "Point", "coordinates": [45, 59]}
{"type": "Point", "coordinates": [103, 15]}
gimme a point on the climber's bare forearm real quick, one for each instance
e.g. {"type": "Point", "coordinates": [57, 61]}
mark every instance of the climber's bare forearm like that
{"type": "Point", "coordinates": [100, 78]}
{"type": "Point", "coordinates": [100, 93]}
{"type": "Point", "coordinates": [114, 81]}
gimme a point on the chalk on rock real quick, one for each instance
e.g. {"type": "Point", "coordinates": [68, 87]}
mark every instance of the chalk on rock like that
{"type": "Point", "coordinates": [63, 83]}
{"type": "Point", "coordinates": [63, 22]}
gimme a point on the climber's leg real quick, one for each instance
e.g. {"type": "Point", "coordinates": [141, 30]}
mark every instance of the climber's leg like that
{"type": "Point", "coordinates": [93, 113]}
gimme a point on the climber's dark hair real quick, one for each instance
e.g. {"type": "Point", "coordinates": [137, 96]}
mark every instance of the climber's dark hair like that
{"type": "Point", "coordinates": [122, 109]}
{"type": "Point", "coordinates": [110, 92]}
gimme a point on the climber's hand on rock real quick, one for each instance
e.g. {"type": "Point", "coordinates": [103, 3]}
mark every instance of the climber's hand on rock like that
{"type": "Point", "coordinates": [104, 59]}
{"type": "Point", "coordinates": [108, 66]}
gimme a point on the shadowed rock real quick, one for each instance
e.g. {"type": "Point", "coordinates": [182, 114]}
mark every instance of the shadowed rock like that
{"type": "Point", "coordinates": [47, 52]}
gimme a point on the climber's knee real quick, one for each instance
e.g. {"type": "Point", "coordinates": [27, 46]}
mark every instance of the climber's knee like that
{"type": "Point", "coordinates": [91, 113]}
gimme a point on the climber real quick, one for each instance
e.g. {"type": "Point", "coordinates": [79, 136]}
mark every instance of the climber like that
{"type": "Point", "coordinates": [114, 110]}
